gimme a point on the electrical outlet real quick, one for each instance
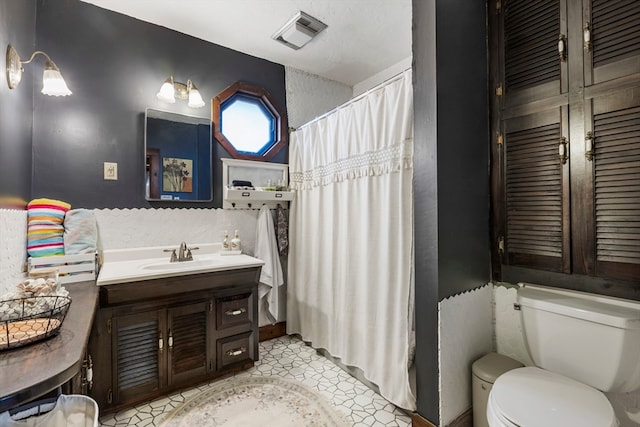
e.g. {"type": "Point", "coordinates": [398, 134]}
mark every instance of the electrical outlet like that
{"type": "Point", "coordinates": [110, 171]}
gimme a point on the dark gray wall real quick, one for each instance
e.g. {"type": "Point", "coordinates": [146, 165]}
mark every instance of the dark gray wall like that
{"type": "Point", "coordinates": [115, 65]}
{"type": "Point", "coordinates": [17, 27]}
{"type": "Point", "coordinates": [451, 170]}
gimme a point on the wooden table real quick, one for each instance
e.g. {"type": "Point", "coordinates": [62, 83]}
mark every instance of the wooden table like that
{"type": "Point", "coordinates": [34, 370]}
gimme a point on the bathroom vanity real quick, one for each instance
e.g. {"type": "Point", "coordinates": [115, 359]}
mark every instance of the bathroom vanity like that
{"type": "Point", "coordinates": [164, 326]}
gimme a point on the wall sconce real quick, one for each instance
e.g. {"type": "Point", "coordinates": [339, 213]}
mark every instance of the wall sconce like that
{"type": "Point", "coordinates": [171, 90]}
{"type": "Point", "coordinates": [52, 82]}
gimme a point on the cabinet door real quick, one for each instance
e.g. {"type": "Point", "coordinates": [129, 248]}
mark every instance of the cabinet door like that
{"type": "Point", "coordinates": [187, 328]}
{"type": "Point", "coordinates": [616, 184]}
{"type": "Point", "coordinates": [612, 39]}
{"type": "Point", "coordinates": [137, 354]}
{"type": "Point", "coordinates": [534, 50]}
{"type": "Point", "coordinates": [536, 191]}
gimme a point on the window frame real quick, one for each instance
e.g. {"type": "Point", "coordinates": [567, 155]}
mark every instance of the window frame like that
{"type": "Point", "coordinates": [261, 95]}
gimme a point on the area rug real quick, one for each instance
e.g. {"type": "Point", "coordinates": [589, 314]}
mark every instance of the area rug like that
{"type": "Point", "coordinates": [256, 401]}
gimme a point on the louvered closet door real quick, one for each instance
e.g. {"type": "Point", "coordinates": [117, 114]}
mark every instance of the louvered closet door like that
{"type": "Point", "coordinates": [616, 175]}
{"type": "Point", "coordinates": [138, 359]}
{"type": "Point", "coordinates": [533, 66]}
{"type": "Point", "coordinates": [536, 184]}
{"type": "Point", "coordinates": [613, 47]}
{"type": "Point", "coordinates": [187, 342]}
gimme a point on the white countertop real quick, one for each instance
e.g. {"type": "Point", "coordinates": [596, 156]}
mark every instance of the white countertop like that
{"type": "Point", "coordinates": [132, 265]}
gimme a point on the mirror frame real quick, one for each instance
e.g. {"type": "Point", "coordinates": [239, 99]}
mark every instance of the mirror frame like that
{"type": "Point", "coordinates": [155, 179]}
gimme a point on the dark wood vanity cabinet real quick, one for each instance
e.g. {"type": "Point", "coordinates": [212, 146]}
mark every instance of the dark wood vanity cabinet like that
{"type": "Point", "coordinates": [565, 139]}
{"type": "Point", "coordinates": [157, 336]}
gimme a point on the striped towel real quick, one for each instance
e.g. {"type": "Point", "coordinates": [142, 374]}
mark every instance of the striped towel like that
{"type": "Point", "coordinates": [44, 227]}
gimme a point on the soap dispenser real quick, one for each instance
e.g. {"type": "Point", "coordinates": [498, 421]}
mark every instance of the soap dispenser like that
{"type": "Point", "coordinates": [235, 243]}
{"type": "Point", "coordinates": [226, 245]}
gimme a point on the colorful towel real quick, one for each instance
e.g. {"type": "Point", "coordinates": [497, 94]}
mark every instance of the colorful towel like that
{"type": "Point", "coordinates": [80, 232]}
{"type": "Point", "coordinates": [44, 227]}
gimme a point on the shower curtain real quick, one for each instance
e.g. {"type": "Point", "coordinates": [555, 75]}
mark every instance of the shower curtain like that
{"type": "Point", "coordinates": [350, 285]}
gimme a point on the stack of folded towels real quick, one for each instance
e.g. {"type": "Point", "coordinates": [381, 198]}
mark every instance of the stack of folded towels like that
{"type": "Point", "coordinates": [54, 229]}
{"type": "Point", "coordinates": [44, 227]}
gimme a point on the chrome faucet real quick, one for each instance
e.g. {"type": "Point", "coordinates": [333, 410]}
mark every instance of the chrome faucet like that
{"type": "Point", "coordinates": [182, 253]}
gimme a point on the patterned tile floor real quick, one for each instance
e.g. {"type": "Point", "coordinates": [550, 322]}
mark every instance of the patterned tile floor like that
{"type": "Point", "coordinates": [287, 357]}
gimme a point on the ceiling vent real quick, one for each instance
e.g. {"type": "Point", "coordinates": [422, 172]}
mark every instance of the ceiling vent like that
{"type": "Point", "coordinates": [299, 30]}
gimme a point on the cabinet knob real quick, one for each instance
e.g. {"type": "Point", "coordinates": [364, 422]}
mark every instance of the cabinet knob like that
{"type": "Point", "coordinates": [236, 352]}
{"type": "Point", "coordinates": [586, 34]}
{"type": "Point", "coordinates": [589, 145]}
{"type": "Point", "coordinates": [235, 312]}
{"type": "Point", "coordinates": [562, 47]}
{"type": "Point", "coordinates": [562, 150]}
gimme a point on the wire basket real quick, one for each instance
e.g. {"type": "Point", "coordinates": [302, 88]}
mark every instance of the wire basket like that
{"type": "Point", "coordinates": [27, 320]}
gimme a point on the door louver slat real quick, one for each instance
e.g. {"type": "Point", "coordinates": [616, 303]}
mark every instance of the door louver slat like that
{"type": "Point", "coordinates": [616, 30]}
{"type": "Point", "coordinates": [531, 36]}
{"type": "Point", "coordinates": [189, 342]}
{"type": "Point", "coordinates": [534, 192]}
{"type": "Point", "coordinates": [137, 355]}
{"type": "Point", "coordinates": [617, 186]}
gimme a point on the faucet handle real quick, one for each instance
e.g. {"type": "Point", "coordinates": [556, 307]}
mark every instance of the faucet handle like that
{"type": "Point", "coordinates": [189, 256]}
{"type": "Point", "coordinates": [174, 257]}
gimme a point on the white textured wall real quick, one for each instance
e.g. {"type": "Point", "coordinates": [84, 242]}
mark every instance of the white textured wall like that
{"type": "Point", "coordinates": [132, 228]}
{"type": "Point", "coordinates": [465, 331]}
{"type": "Point", "coordinates": [510, 342]}
{"type": "Point", "coordinates": [310, 96]}
{"type": "Point", "coordinates": [13, 248]}
{"type": "Point", "coordinates": [380, 77]}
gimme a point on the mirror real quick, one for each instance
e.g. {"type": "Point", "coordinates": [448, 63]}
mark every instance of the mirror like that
{"type": "Point", "coordinates": [178, 165]}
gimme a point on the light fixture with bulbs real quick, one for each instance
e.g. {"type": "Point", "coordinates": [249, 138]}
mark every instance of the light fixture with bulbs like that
{"type": "Point", "coordinates": [52, 82]}
{"type": "Point", "coordinates": [171, 90]}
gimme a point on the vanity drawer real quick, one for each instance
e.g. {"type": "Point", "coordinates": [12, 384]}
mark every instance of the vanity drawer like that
{"type": "Point", "coordinates": [233, 311]}
{"type": "Point", "coordinates": [234, 349]}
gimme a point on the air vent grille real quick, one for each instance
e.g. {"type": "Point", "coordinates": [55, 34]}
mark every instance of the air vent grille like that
{"type": "Point", "coordinates": [299, 30]}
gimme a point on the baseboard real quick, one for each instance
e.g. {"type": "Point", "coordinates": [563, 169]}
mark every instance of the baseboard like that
{"type": "Point", "coordinates": [418, 421]}
{"type": "Point", "coordinates": [268, 332]}
{"type": "Point", "coordinates": [464, 420]}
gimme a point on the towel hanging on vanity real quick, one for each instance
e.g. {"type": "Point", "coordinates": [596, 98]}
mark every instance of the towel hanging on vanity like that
{"type": "Point", "coordinates": [271, 277]}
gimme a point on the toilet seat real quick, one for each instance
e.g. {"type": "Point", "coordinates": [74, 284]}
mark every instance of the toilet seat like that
{"type": "Point", "coordinates": [533, 397]}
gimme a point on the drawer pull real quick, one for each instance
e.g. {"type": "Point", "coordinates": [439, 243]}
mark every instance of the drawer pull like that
{"type": "Point", "coordinates": [235, 312]}
{"type": "Point", "coordinates": [236, 352]}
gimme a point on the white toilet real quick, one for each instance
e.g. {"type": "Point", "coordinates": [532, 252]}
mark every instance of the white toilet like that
{"type": "Point", "coordinates": [582, 344]}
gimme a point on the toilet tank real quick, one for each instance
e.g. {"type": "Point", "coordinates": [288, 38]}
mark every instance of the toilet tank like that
{"type": "Point", "coordinates": [591, 338]}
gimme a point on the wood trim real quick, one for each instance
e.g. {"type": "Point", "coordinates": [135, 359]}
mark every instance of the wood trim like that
{"type": "Point", "coordinates": [268, 332]}
{"type": "Point", "coordinates": [418, 421]}
{"type": "Point", "coordinates": [257, 92]}
{"type": "Point", "coordinates": [463, 420]}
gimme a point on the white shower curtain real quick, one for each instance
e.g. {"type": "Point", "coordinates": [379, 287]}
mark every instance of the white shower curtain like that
{"type": "Point", "coordinates": [351, 236]}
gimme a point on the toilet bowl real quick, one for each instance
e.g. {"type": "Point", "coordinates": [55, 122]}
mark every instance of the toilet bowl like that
{"type": "Point", "coordinates": [533, 397]}
{"type": "Point", "coordinates": [582, 345]}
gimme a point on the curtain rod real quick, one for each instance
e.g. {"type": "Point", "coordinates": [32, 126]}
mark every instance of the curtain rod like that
{"type": "Point", "coordinates": [352, 100]}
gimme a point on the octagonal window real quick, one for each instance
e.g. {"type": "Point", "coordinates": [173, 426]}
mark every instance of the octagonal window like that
{"type": "Point", "coordinates": [247, 123]}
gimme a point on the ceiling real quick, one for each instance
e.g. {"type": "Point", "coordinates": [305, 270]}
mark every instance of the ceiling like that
{"type": "Point", "coordinates": [363, 38]}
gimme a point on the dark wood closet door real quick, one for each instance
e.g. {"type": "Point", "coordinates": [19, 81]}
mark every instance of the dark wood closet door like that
{"type": "Point", "coordinates": [534, 54]}
{"type": "Point", "coordinates": [615, 127]}
{"type": "Point", "coordinates": [536, 185]}
{"type": "Point", "coordinates": [611, 31]}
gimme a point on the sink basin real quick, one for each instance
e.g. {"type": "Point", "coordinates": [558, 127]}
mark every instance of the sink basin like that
{"type": "Point", "coordinates": [181, 265]}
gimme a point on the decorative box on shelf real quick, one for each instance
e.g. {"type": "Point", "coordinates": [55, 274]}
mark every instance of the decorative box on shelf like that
{"type": "Point", "coordinates": [249, 185]}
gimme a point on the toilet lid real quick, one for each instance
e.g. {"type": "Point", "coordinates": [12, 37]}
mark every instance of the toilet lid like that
{"type": "Point", "coordinates": [534, 397]}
